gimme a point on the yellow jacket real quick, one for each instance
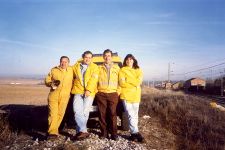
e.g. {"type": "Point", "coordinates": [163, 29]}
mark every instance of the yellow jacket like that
{"type": "Point", "coordinates": [90, 79]}
{"type": "Point", "coordinates": [110, 85]}
{"type": "Point", "coordinates": [130, 80]}
{"type": "Point", "coordinates": [65, 77]}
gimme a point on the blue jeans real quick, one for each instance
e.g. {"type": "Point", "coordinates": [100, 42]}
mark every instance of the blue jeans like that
{"type": "Point", "coordinates": [81, 108]}
{"type": "Point", "coordinates": [132, 112]}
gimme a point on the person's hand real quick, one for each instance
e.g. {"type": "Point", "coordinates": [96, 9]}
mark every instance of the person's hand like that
{"type": "Point", "coordinates": [87, 93]}
{"type": "Point", "coordinates": [55, 84]}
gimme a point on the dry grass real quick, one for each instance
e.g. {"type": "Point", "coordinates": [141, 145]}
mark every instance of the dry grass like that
{"type": "Point", "coordinates": [191, 119]}
{"type": "Point", "coordinates": [23, 94]}
{"type": "Point", "coordinates": [6, 136]}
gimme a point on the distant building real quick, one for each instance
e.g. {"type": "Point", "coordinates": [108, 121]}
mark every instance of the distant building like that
{"type": "Point", "coordinates": [168, 85]}
{"type": "Point", "coordinates": [217, 86]}
{"type": "Point", "coordinates": [15, 83]}
{"type": "Point", "coordinates": [217, 82]}
{"type": "Point", "coordinates": [177, 86]}
{"type": "Point", "coordinates": [195, 84]}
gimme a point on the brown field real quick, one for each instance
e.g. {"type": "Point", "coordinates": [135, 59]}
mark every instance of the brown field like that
{"type": "Point", "coordinates": [30, 94]}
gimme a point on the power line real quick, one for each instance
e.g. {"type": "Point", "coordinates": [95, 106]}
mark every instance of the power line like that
{"type": "Point", "coordinates": [201, 69]}
{"type": "Point", "coordinates": [206, 68]}
{"type": "Point", "coordinates": [209, 62]}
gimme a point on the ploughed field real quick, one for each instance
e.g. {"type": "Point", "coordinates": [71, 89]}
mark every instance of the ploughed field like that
{"type": "Point", "coordinates": [168, 120]}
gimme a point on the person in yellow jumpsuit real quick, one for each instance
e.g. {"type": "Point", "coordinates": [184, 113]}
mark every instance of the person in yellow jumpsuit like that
{"type": "Point", "coordinates": [60, 80]}
{"type": "Point", "coordinates": [130, 79]}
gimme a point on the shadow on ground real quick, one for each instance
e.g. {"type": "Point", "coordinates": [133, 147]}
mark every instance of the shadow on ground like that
{"type": "Point", "coordinates": [33, 120]}
{"type": "Point", "coordinates": [27, 119]}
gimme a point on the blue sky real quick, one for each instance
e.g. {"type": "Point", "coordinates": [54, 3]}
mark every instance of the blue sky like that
{"type": "Point", "coordinates": [188, 33]}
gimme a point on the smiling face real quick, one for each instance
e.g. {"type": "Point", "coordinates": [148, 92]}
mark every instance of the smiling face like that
{"type": "Point", "coordinates": [87, 59]}
{"type": "Point", "coordinates": [129, 62]}
{"type": "Point", "coordinates": [107, 58]}
{"type": "Point", "coordinates": [64, 63]}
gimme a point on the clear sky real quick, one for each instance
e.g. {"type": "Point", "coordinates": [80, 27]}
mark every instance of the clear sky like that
{"type": "Point", "coordinates": [187, 33]}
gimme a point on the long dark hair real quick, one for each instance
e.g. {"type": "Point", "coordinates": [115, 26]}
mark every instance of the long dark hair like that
{"type": "Point", "coordinates": [135, 64]}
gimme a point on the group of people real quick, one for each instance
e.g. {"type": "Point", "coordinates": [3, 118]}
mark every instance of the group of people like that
{"type": "Point", "coordinates": [107, 83]}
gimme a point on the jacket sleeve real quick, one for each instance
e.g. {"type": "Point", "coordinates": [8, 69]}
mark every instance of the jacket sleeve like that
{"type": "Point", "coordinates": [74, 71]}
{"type": "Point", "coordinates": [48, 79]}
{"type": "Point", "coordinates": [92, 83]}
{"type": "Point", "coordinates": [138, 80]}
{"type": "Point", "coordinates": [118, 89]}
{"type": "Point", "coordinates": [123, 80]}
{"type": "Point", "coordinates": [118, 86]}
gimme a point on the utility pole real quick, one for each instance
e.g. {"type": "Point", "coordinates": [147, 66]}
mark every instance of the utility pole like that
{"type": "Point", "coordinates": [211, 74]}
{"type": "Point", "coordinates": [168, 72]}
{"type": "Point", "coordinates": [222, 90]}
{"type": "Point", "coordinates": [153, 83]}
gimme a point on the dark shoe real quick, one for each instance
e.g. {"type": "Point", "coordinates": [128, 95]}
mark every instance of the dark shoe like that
{"type": "Point", "coordinates": [140, 138]}
{"type": "Point", "coordinates": [52, 137]}
{"type": "Point", "coordinates": [82, 135]}
{"type": "Point", "coordinates": [132, 137]}
{"type": "Point", "coordinates": [114, 137]}
{"type": "Point", "coordinates": [137, 137]}
{"type": "Point", "coordinates": [104, 135]}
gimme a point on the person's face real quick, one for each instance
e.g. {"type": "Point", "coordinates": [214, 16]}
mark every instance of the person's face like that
{"type": "Point", "coordinates": [87, 59]}
{"type": "Point", "coordinates": [107, 58]}
{"type": "Point", "coordinates": [130, 62]}
{"type": "Point", "coordinates": [64, 63]}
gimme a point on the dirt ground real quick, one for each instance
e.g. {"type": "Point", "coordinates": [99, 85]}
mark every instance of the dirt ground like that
{"type": "Point", "coordinates": [29, 112]}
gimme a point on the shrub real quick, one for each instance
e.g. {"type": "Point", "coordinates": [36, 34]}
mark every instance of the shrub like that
{"type": "Point", "coordinates": [191, 119]}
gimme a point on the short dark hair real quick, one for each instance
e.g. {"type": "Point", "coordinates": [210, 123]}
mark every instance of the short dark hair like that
{"type": "Point", "coordinates": [135, 65]}
{"type": "Point", "coordinates": [87, 52]}
{"type": "Point", "coordinates": [64, 57]}
{"type": "Point", "coordinates": [107, 51]}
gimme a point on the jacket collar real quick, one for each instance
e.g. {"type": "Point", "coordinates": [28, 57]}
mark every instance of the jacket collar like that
{"type": "Point", "coordinates": [58, 67]}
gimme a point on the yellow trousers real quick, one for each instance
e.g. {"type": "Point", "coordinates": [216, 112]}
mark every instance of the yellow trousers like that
{"type": "Point", "coordinates": [57, 106]}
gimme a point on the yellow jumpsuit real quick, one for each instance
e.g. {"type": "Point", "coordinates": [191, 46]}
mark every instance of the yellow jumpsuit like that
{"type": "Point", "coordinates": [58, 98]}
